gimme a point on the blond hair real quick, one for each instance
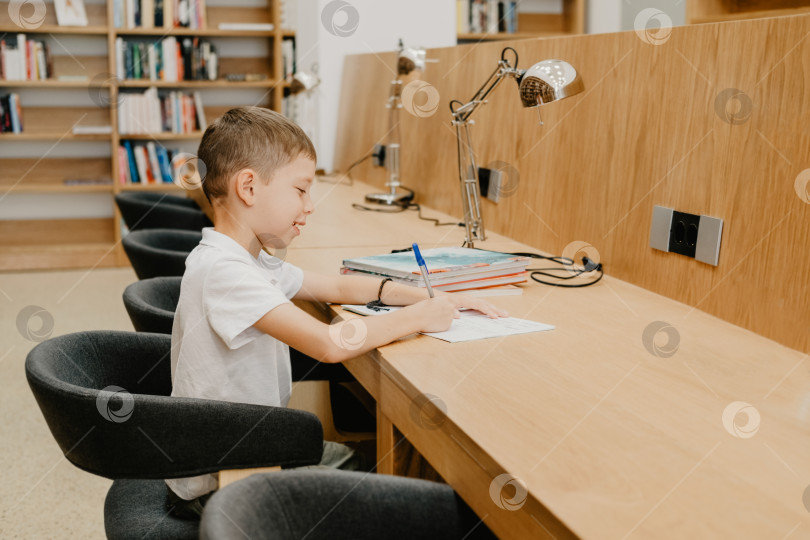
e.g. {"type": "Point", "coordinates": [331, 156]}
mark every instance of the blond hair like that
{"type": "Point", "coordinates": [249, 138]}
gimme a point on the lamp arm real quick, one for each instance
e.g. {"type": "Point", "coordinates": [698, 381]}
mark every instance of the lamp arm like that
{"type": "Point", "coordinates": [467, 168]}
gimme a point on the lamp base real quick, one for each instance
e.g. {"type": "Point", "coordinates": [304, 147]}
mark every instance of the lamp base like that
{"type": "Point", "coordinates": [389, 199]}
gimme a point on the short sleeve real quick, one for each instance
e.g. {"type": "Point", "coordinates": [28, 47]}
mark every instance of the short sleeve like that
{"type": "Point", "coordinates": [236, 295]}
{"type": "Point", "coordinates": [286, 276]}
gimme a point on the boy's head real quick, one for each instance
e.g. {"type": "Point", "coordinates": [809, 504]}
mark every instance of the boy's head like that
{"type": "Point", "coordinates": [249, 138]}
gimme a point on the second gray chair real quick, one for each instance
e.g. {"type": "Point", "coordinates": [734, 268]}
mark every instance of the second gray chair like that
{"type": "Point", "coordinates": [159, 252]}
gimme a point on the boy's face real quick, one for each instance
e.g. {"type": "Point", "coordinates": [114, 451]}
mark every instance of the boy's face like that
{"type": "Point", "coordinates": [284, 203]}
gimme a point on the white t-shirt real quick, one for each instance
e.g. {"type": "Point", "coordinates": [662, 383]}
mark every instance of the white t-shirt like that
{"type": "Point", "coordinates": [216, 352]}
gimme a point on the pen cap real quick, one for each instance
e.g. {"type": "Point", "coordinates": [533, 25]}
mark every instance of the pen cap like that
{"type": "Point", "coordinates": [419, 260]}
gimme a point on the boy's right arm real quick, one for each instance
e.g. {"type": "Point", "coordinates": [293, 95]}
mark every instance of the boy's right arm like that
{"type": "Point", "coordinates": [354, 337]}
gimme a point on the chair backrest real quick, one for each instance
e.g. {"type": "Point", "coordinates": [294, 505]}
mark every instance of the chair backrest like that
{"type": "Point", "coordinates": [160, 211]}
{"type": "Point", "coordinates": [151, 303]}
{"type": "Point", "coordinates": [324, 504]}
{"type": "Point", "coordinates": [105, 398]}
{"type": "Point", "coordinates": [159, 252]}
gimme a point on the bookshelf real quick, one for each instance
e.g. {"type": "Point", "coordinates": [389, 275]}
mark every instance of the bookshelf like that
{"type": "Point", "coordinates": [90, 242]}
{"type": "Point", "coordinates": [708, 11]}
{"type": "Point", "coordinates": [571, 20]}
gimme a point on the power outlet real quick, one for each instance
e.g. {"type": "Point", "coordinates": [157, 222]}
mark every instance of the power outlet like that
{"type": "Point", "coordinates": [378, 155]}
{"type": "Point", "coordinates": [683, 233]}
{"type": "Point", "coordinates": [688, 234]}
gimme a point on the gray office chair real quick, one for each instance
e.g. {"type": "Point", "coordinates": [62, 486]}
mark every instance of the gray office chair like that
{"type": "Point", "coordinates": [151, 304]}
{"type": "Point", "coordinates": [105, 398]}
{"type": "Point", "coordinates": [333, 505]}
{"type": "Point", "coordinates": [159, 252]}
{"type": "Point", "coordinates": [160, 211]}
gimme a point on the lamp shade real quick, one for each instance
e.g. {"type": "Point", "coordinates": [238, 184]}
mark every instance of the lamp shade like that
{"type": "Point", "coordinates": [303, 81]}
{"type": "Point", "coordinates": [549, 81]}
{"type": "Point", "coordinates": [410, 59]}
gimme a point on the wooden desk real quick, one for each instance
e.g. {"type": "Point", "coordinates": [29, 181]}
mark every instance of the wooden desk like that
{"type": "Point", "coordinates": [609, 440]}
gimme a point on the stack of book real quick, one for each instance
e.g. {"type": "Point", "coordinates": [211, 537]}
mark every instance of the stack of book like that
{"type": "Point", "coordinates": [23, 59]}
{"type": "Point", "coordinates": [486, 16]}
{"type": "Point", "coordinates": [192, 59]}
{"type": "Point", "coordinates": [10, 114]}
{"type": "Point", "coordinates": [159, 14]}
{"type": "Point", "coordinates": [451, 269]}
{"type": "Point", "coordinates": [148, 112]}
{"type": "Point", "coordinates": [147, 163]}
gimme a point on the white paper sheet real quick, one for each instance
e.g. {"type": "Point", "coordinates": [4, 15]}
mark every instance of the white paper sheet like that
{"type": "Point", "coordinates": [470, 326]}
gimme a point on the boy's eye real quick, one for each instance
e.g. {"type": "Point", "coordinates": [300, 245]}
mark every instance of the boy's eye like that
{"type": "Point", "coordinates": [301, 190]}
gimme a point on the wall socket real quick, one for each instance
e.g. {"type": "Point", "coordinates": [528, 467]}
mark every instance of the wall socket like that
{"type": "Point", "coordinates": [378, 155]}
{"type": "Point", "coordinates": [688, 234]}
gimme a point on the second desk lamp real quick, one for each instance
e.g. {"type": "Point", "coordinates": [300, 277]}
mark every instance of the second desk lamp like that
{"type": "Point", "coordinates": [408, 60]}
{"type": "Point", "coordinates": [544, 82]}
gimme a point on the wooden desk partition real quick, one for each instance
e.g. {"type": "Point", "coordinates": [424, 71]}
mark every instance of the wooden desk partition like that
{"type": "Point", "coordinates": [657, 125]}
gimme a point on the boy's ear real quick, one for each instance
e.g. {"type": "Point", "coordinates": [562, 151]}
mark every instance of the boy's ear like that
{"type": "Point", "coordinates": [244, 186]}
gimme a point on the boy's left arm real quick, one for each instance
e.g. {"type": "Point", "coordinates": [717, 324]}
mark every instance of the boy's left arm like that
{"type": "Point", "coordinates": [357, 290]}
{"type": "Point", "coordinates": [361, 290]}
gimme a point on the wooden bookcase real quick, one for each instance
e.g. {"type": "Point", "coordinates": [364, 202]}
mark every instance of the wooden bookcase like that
{"type": "Point", "coordinates": [96, 242]}
{"type": "Point", "coordinates": [708, 11]}
{"type": "Point", "coordinates": [532, 25]}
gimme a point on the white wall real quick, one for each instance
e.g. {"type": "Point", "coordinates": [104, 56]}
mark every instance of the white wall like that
{"type": "Point", "coordinates": [379, 25]}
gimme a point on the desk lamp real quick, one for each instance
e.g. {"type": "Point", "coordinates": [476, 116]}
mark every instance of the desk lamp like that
{"type": "Point", "coordinates": [544, 82]}
{"type": "Point", "coordinates": [408, 60]}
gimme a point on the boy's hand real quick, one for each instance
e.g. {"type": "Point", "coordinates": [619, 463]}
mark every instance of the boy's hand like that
{"type": "Point", "coordinates": [471, 302]}
{"type": "Point", "coordinates": [437, 314]}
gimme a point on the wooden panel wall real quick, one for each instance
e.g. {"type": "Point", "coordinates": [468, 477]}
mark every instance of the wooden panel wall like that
{"type": "Point", "coordinates": [646, 131]}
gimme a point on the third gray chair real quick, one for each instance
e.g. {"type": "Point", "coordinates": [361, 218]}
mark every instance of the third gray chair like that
{"type": "Point", "coordinates": [333, 505]}
{"type": "Point", "coordinates": [160, 211]}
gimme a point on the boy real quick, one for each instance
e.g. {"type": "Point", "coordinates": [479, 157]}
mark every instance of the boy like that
{"type": "Point", "coordinates": [234, 322]}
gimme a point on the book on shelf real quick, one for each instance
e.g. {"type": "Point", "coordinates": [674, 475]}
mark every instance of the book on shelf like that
{"type": "Point", "coordinates": [92, 130]}
{"type": "Point", "coordinates": [146, 163]}
{"type": "Point", "coordinates": [168, 59]}
{"type": "Point", "coordinates": [150, 14]}
{"type": "Point", "coordinates": [87, 181]}
{"type": "Point", "coordinates": [24, 59]}
{"type": "Point", "coordinates": [70, 12]}
{"type": "Point", "coordinates": [10, 114]}
{"type": "Point", "coordinates": [288, 18]}
{"type": "Point", "coordinates": [450, 268]}
{"type": "Point", "coordinates": [486, 16]}
{"type": "Point", "coordinates": [149, 112]}
{"type": "Point", "coordinates": [288, 57]}
{"type": "Point", "coordinates": [246, 27]}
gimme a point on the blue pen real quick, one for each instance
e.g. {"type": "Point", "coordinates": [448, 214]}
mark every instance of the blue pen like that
{"type": "Point", "coordinates": [423, 267]}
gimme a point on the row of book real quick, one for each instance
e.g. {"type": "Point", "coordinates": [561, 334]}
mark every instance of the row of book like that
{"type": "Point", "coordinates": [147, 163]}
{"type": "Point", "coordinates": [490, 16]}
{"type": "Point", "coordinates": [191, 59]}
{"type": "Point", "coordinates": [450, 269]}
{"type": "Point", "coordinates": [10, 114]}
{"type": "Point", "coordinates": [23, 59]}
{"type": "Point", "coordinates": [159, 14]}
{"type": "Point", "coordinates": [150, 112]}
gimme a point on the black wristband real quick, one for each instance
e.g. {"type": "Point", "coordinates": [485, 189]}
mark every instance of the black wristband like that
{"type": "Point", "coordinates": [378, 302]}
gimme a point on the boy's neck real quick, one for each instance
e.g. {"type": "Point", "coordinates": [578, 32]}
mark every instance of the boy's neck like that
{"type": "Point", "coordinates": [236, 231]}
